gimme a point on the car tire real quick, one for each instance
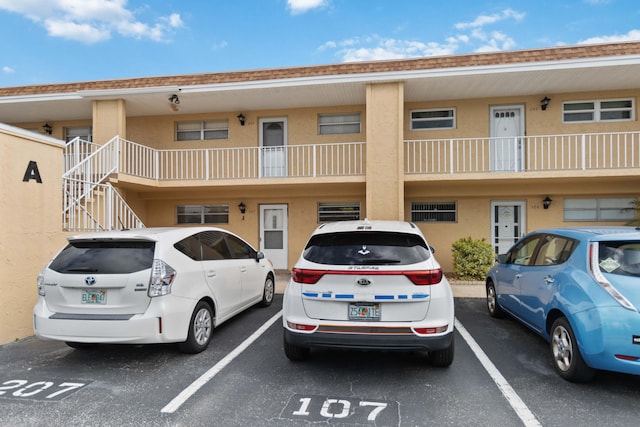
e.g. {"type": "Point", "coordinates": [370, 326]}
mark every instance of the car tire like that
{"type": "Point", "coordinates": [492, 301]}
{"type": "Point", "coordinates": [294, 352]}
{"type": "Point", "coordinates": [267, 293]}
{"type": "Point", "coordinates": [200, 329]}
{"type": "Point", "coordinates": [565, 354]}
{"type": "Point", "coordinates": [442, 358]}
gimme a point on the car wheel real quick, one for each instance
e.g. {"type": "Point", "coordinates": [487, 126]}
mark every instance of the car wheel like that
{"type": "Point", "coordinates": [294, 352]}
{"type": "Point", "coordinates": [567, 359]}
{"type": "Point", "coordinates": [267, 294]}
{"type": "Point", "coordinates": [492, 301]}
{"type": "Point", "coordinates": [442, 358]}
{"type": "Point", "coordinates": [200, 329]}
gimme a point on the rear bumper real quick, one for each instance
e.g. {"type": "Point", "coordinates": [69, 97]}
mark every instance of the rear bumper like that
{"type": "Point", "coordinates": [369, 341]}
{"type": "Point", "coordinates": [166, 320]}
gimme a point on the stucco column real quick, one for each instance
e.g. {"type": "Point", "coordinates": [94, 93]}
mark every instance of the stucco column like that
{"type": "Point", "coordinates": [385, 151]}
{"type": "Point", "coordinates": [109, 120]}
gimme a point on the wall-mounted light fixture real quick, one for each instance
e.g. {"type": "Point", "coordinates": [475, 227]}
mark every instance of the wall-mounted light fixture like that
{"type": "Point", "coordinates": [546, 202]}
{"type": "Point", "coordinates": [544, 102]}
{"type": "Point", "coordinates": [174, 99]}
{"type": "Point", "coordinates": [241, 119]}
{"type": "Point", "coordinates": [47, 128]}
{"type": "Point", "coordinates": [243, 209]}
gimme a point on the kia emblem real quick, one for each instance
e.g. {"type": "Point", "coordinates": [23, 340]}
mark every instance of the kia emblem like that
{"type": "Point", "coordinates": [363, 282]}
{"type": "Point", "coordinates": [89, 280]}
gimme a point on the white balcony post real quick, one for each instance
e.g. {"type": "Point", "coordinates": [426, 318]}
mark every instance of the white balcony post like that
{"type": "Point", "coordinates": [584, 154]}
{"type": "Point", "coordinates": [315, 165]}
{"type": "Point", "coordinates": [451, 144]}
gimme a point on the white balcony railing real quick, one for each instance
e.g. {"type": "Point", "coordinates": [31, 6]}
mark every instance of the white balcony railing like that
{"type": "Point", "coordinates": [310, 160]}
{"type": "Point", "coordinates": [523, 154]}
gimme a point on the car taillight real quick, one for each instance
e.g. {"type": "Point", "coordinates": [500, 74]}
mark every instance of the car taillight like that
{"type": "Point", "coordinates": [308, 277]}
{"type": "Point", "coordinates": [162, 276]}
{"type": "Point", "coordinates": [430, 331]}
{"type": "Point", "coordinates": [40, 283]}
{"type": "Point", "coordinates": [301, 327]}
{"type": "Point", "coordinates": [424, 277]}
{"type": "Point", "coordinates": [594, 269]}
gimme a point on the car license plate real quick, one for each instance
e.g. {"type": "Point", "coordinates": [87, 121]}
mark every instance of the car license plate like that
{"type": "Point", "coordinates": [94, 297]}
{"type": "Point", "coordinates": [364, 311]}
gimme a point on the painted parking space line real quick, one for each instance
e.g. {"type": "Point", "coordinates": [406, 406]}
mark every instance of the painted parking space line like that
{"type": "Point", "coordinates": [508, 392]}
{"type": "Point", "coordinates": [215, 369]}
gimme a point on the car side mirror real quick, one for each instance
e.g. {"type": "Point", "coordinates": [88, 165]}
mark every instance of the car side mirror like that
{"type": "Point", "coordinates": [501, 259]}
{"type": "Point", "coordinates": [259, 256]}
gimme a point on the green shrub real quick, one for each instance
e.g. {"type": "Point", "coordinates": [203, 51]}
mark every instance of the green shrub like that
{"type": "Point", "coordinates": [472, 258]}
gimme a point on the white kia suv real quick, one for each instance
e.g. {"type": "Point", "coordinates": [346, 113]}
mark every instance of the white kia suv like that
{"type": "Point", "coordinates": [369, 285]}
{"type": "Point", "coordinates": [149, 285]}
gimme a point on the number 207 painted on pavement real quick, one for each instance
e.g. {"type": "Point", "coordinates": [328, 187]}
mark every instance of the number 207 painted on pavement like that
{"type": "Point", "coordinates": [42, 390]}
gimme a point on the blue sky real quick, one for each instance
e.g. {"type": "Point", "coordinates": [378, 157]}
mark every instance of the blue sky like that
{"type": "Point", "coordinates": [56, 41]}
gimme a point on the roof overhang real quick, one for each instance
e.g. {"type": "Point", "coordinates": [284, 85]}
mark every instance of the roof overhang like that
{"type": "Point", "coordinates": [452, 83]}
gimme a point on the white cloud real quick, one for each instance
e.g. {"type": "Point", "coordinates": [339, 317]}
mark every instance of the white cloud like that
{"type": "Point", "coordinates": [472, 35]}
{"type": "Point", "coordinates": [302, 6]}
{"type": "Point", "coordinates": [376, 48]}
{"type": "Point", "coordinates": [633, 35]}
{"type": "Point", "coordinates": [91, 21]}
{"type": "Point", "coordinates": [483, 20]}
{"type": "Point", "coordinates": [8, 70]}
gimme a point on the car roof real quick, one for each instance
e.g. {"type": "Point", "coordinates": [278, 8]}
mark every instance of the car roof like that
{"type": "Point", "coordinates": [151, 233]}
{"type": "Point", "coordinates": [368, 225]}
{"type": "Point", "coordinates": [596, 232]}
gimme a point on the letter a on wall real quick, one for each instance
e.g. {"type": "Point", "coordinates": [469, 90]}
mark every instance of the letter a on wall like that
{"type": "Point", "coordinates": [32, 173]}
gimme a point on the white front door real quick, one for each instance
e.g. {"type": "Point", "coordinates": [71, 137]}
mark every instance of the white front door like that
{"type": "Point", "coordinates": [507, 129]}
{"type": "Point", "coordinates": [274, 235]}
{"type": "Point", "coordinates": [507, 224]}
{"type": "Point", "coordinates": [273, 142]}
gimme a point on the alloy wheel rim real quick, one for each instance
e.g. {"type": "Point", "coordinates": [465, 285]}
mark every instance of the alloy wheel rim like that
{"type": "Point", "coordinates": [562, 348]}
{"type": "Point", "coordinates": [268, 290]}
{"type": "Point", "coordinates": [202, 326]}
{"type": "Point", "coordinates": [491, 299]}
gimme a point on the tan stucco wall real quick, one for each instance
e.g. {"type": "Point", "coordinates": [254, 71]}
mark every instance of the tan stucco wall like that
{"type": "Point", "coordinates": [31, 229]}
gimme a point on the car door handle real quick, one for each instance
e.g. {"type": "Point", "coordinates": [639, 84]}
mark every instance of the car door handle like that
{"type": "Point", "coordinates": [548, 280]}
{"type": "Point", "coordinates": [518, 275]}
{"type": "Point", "coordinates": [243, 269]}
{"type": "Point", "coordinates": [211, 273]}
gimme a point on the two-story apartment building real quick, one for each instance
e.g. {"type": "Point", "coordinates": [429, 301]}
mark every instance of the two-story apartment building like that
{"type": "Point", "coordinates": [485, 145]}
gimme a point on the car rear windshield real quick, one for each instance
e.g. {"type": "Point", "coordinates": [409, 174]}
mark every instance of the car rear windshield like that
{"type": "Point", "coordinates": [621, 257]}
{"type": "Point", "coordinates": [97, 257]}
{"type": "Point", "coordinates": [366, 248]}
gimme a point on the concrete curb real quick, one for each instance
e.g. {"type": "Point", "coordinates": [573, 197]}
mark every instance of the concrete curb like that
{"type": "Point", "coordinates": [461, 289]}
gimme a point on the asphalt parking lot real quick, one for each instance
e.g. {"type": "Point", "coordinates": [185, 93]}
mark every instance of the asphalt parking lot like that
{"type": "Point", "coordinates": [501, 376]}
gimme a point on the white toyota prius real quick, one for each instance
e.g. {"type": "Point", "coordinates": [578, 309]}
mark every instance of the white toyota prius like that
{"type": "Point", "coordinates": [149, 285]}
{"type": "Point", "coordinates": [371, 285]}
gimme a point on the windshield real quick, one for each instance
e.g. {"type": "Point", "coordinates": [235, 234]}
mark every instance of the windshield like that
{"type": "Point", "coordinates": [620, 257]}
{"type": "Point", "coordinates": [366, 248]}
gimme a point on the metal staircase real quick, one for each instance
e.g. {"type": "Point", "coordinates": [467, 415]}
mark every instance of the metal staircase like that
{"type": "Point", "coordinates": [90, 202]}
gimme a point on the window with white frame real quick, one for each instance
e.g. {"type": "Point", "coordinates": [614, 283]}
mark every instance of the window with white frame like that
{"type": "Point", "coordinates": [598, 111]}
{"type": "Point", "coordinates": [202, 214]}
{"type": "Point", "coordinates": [621, 209]}
{"type": "Point", "coordinates": [84, 133]}
{"type": "Point", "coordinates": [433, 119]}
{"type": "Point", "coordinates": [339, 211]}
{"type": "Point", "coordinates": [434, 212]}
{"type": "Point", "coordinates": [331, 124]}
{"type": "Point", "coordinates": [201, 130]}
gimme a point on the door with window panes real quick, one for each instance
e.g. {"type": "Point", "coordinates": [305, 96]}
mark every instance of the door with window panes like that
{"type": "Point", "coordinates": [274, 234]}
